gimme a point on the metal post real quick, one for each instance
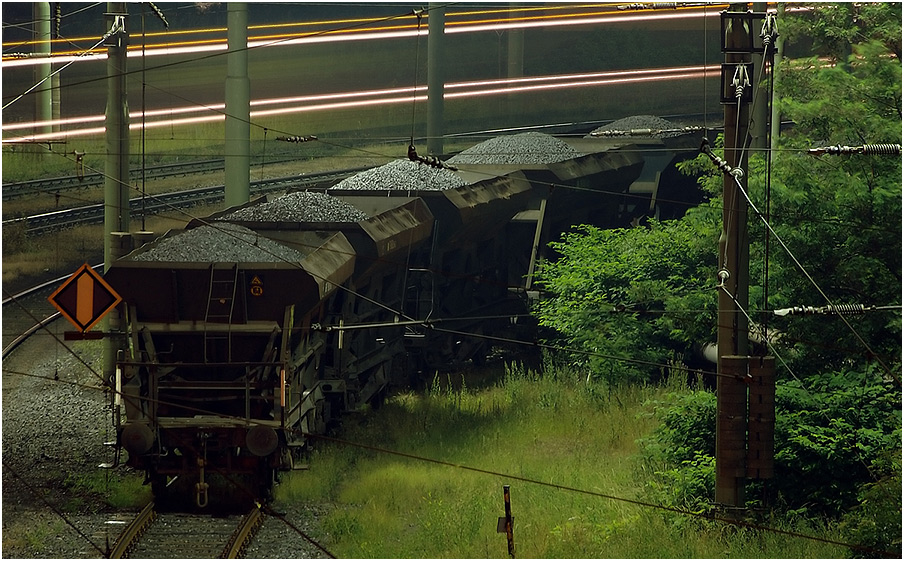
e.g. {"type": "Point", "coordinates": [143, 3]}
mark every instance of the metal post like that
{"type": "Point", "coordinates": [436, 23]}
{"type": "Point", "coordinates": [734, 275]}
{"type": "Point", "coordinates": [505, 524]}
{"type": "Point", "coordinates": [535, 248]}
{"type": "Point", "coordinates": [776, 118]}
{"type": "Point", "coordinates": [44, 94]}
{"type": "Point", "coordinates": [759, 131]}
{"type": "Point", "coordinates": [238, 107]}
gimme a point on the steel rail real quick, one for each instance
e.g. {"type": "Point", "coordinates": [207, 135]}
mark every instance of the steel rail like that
{"type": "Point", "coordinates": [47, 320]}
{"type": "Point", "coordinates": [29, 291]}
{"type": "Point", "coordinates": [132, 532]}
{"type": "Point", "coordinates": [56, 184]}
{"type": "Point", "coordinates": [244, 533]}
{"type": "Point", "coordinates": [29, 332]}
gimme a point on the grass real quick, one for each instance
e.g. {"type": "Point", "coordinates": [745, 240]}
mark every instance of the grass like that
{"type": "Point", "coordinates": [552, 429]}
{"type": "Point", "coordinates": [118, 490]}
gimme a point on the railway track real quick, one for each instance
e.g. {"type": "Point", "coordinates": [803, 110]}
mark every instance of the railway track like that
{"type": "Point", "coordinates": [20, 324]}
{"type": "Point", "coordinates": [91, 214]}
{"type": "Point", "coordinates": [153, 535]}
{"type": "Point", "coordinates": [19, 189]}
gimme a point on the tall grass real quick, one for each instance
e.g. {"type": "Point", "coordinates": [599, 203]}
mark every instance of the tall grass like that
{"type": "Point", "coordinates": [550, 429]}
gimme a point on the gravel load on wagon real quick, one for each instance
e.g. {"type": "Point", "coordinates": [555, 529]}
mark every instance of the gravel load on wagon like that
{"type": "Point", "coordinates": [523, 148]}
{"type": "Point", "coordinates": [640, 122]}
{"type": "Point", "coordinates": [403, 175]}
{"type": "Point", "coordinates": [302, 206]}
{"type": "Point", "coordinates": [224, 242]}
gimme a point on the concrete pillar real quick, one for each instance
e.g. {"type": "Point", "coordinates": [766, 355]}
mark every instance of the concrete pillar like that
{"type": "Point", "coordinates": [436, 21]}
{"type": "Point", "coordinates": [238, 107]}
{"type": "Point", "coordinates": [55, 79]}
{"type": "Point", "coordinates": [43, 95]}
{"type": "Point", "coordinates": [116, 167]}
{"type": "Point", "coordinates": [515, 58]}
{"type": "Point", "coordinates": [116, 184]}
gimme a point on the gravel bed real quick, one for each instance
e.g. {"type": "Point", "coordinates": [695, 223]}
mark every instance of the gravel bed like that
{"type": "Point", "coordinates": [638, 122]}
{"type": "Point", "coordinates": [523, 148]}
{"type": "Point", "coordinates": [403, 175]}
{"type": "Point", "coordinates": [55, 421]}
{"type": "Point", "coordinates": [54, 426]}
{"type": "Point", "coordinates": [229, 243]}
{"type": "Point", "coordinates": [302, 206]}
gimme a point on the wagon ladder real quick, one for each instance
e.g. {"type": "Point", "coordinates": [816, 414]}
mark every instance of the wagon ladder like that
{"type": "Point", "coordinates": [220, 306]}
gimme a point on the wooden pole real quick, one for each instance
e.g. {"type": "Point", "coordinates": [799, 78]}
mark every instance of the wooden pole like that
{"type": "Point", "coordinates": [733, 274]}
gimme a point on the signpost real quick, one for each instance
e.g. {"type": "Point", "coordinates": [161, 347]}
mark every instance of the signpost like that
{"type": "Point", "coordinates": [84, 299]}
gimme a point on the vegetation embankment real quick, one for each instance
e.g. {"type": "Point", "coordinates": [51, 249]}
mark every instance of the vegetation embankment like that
{"type": "Point", "coordinates": [649, 295]}
{"type": "Point", "coordinates": [553, 430]}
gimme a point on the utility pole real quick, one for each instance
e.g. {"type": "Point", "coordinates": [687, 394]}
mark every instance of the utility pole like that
{"type": "Point", "coordinates": [238, 106]}
{"type": "Point", "coordinates": [731, 392]}
{"type": "Point", "coordinates": [436, 28]}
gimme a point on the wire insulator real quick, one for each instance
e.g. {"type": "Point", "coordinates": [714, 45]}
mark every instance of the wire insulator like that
{"type": "Point", "coordinates": [882, 149]}
{"type": "Point", "coordinates": [159, 13]}
{"type": "Point", "coordinates": [740, 81]}
{"type": "Point", "coordinates": [840, 309]}
{"type": "Point", "coordinates": [720, 163]}
{"type": "Point", "coordinates": [431, 161]}
{"type": "Point", "coordinates": [866, 149]}
{"type": "Point", "coordinates": [305, 138]}
{"type": "Point", "coordinates": [846, 309]}
{"type": "Point", "coordinates": [769, 32]}
{"type": "Point", "coordinates": [652, 6]}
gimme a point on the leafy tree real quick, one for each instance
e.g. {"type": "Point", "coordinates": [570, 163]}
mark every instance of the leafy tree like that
{"type": "Point", "coordinates": [630, 292]}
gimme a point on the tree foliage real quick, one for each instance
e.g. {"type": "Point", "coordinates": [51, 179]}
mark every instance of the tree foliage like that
{"type": "Point", "coordinates": [632, 293]}
{"type": "Point", "coordinates": [838, 222]}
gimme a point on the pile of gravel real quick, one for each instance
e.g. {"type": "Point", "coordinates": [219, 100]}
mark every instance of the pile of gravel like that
{"type": "Point", "coordinates": [639, 123]}
{"type": "Point", "coordinates": [224, 242]}
{"type": "Point", "coordinates": [523, 148]}
{"type": "Point", "coordinates": [403, 175]}
{"type": "Point", "coordinates": [302, 206]}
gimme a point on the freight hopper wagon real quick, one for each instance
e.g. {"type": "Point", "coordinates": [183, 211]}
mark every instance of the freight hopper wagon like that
{"type": "Point", "coordinates": [252, 330]}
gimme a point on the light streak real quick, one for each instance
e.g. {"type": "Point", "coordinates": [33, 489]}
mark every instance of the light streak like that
{"type": "Point", "coordinates": [372, 98]}
{"type": "Point", "coordinates": [373, 33]}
